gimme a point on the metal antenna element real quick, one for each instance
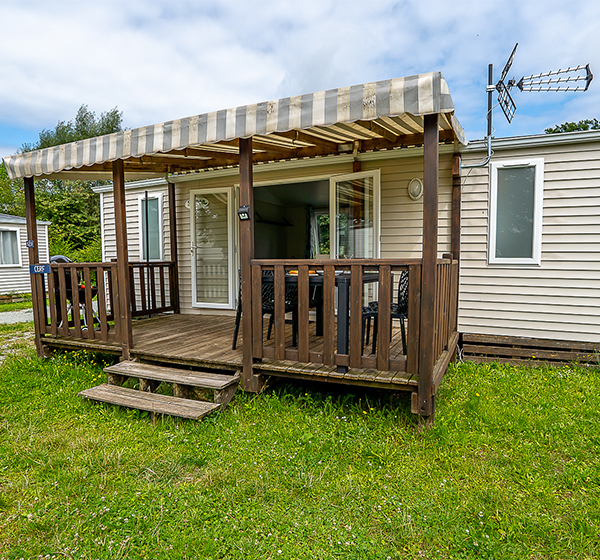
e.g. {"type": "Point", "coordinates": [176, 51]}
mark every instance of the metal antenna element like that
{"type": "Point", "coordinates": [537, 83]}
{"type": "Point", "coordinates": [559, 80]}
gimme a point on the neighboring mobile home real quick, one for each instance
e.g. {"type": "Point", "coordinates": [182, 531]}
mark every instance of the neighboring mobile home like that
{"type": "Point", "coordinates": [530, 249]}
{"type": "Point", "coordinates": [328, 198]}
{"type": "Point", "coordinates": [14, 258]}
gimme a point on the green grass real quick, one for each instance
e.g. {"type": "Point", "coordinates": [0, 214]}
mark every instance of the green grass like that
{"type": "Point", "coordinates": [17, 306]}
{"type": "Point", "coordinates": [510, 470]}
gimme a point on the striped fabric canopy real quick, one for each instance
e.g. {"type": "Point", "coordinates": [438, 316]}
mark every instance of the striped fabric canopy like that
{"type": "Point", "coordinates": [381, 115]}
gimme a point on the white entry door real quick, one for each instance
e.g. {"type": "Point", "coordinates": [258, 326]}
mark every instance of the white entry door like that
{"type": "Point", "coordinates": [213, 249]}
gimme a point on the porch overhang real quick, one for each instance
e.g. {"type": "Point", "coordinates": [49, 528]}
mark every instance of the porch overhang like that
{"type": "Point", "coordinates": [369, 117]}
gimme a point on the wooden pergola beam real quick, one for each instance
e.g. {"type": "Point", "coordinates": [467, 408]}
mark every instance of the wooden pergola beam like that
{"type": "Point", "coordinates": [426, 403]}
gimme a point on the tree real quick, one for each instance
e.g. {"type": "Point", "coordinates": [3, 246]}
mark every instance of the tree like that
{"type": "Point", "coordinates": [85, 125]}
{"type": "Point", "coordinates": [586, 124]}
{"type": "Point", "coordinates": [71, 206]}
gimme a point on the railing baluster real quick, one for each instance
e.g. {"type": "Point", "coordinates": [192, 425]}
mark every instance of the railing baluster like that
{"type": "Point", "coordinates": [52, 301]}
{"type": "Point", "coordinates": [414, 318]}
{"type": "Point", "coordinates": [329, 315]}
{"type": "Point", "coordinates": [257, 316]}
{"type": "Point", "coordinates": [161, 276]}
{"type": "Point", "coordinates": [356, 299]}
{"type": "Point", "coordinates": [101, 302]}
{"type": "Point", "coordinates": [152, 276]}
{"type": "Point", "coordinates": [279, 280]}
{"type": "Point", "coordinates": [62, 285]}
{"type": "Point", "coordinates": [89, 310]}
{"type": "Point", "coordinates": [303, 300]}
{"type": "Point", "coordinates": [384, 318]}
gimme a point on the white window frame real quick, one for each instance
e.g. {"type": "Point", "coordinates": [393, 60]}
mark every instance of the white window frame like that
{"type": "Point", "coordinates": [141, 198]}
{"type": "Point", "coordinates": [538, 203]}
{"type": "Point", "coordinates": [19, 250]}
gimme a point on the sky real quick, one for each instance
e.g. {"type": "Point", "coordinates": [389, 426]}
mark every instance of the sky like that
{"type": "Point", "coordinates": [158, 60]}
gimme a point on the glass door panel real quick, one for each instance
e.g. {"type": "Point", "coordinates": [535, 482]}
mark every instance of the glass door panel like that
{"type": "Point", "coordinates": [212, 248]}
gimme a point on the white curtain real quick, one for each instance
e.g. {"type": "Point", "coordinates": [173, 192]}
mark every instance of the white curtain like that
{"type": "Point", "coordinates": [9, 247]}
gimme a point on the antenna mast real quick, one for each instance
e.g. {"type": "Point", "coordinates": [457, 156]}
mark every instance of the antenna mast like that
{"type": "Point", "coordinates": [558, 80]}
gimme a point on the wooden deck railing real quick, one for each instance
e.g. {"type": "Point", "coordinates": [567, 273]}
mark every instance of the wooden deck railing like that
{"type": "Point", "coordinates": [81, 301]}
{"type": "Point", "coordinates": [152, 288]}
{"type": "Point", "coordinates": [354, 275]}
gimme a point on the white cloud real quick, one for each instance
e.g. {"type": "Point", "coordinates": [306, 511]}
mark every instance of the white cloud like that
{"type": "Point", "coordinates": [157, 60]}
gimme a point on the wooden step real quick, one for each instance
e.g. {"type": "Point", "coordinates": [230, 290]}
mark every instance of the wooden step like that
{"type": "Point", "coordinates": [151, 402]}
{"type": "Point", "coordinates": [217, 381]}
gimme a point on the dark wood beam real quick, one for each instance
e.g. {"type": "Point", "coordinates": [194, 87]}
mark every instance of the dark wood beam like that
{"type": "Point", "coordinates": [456, 204]}
{"type": "Point", "coordinates": [249, 381]}
{"type": "Point", "coordinates": [123, 297]}
{"type": "Point", "coordinates": [427, 358]}
{"type": "Point", "coordinates": [37, 292]}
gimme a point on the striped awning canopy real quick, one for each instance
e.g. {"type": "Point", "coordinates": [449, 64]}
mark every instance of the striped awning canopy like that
{"type": "Point", "coordinates": [374, 116]}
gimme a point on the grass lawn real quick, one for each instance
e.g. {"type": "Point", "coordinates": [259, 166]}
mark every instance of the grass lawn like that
{"type": "Point", "coordinates": [510, 470]}
{"type": "Point", "coordinates": [17, 306]}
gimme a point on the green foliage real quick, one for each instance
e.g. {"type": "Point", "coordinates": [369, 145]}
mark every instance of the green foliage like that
{"type": "Point", "coordinates": [12, 200]}
{"type": "Point", "coordinates": [509, 471]}
{"type": "Point", "coordinates": [85, 125]}
{"type": "Point", "coordinates": [586, 124]}
{"type": "Point", "coordinates": [71, 206]}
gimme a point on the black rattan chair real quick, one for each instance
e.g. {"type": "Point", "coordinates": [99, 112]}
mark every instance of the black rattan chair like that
{"type": "Point", "coordinates": [399, 310]}
{"type": "Point", "coordinates": [268, 306]}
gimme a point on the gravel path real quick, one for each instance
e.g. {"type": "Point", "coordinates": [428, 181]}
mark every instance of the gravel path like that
{"type": "Point", "coordinates": [21, 316]}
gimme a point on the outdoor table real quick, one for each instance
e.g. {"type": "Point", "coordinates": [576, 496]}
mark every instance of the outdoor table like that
{"type": "Point", "coordinates": [342, 282]}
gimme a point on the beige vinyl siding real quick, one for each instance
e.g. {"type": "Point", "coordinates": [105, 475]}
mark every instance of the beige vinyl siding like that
{"type": "Point", "coordinates": [15, 279]}
{"type": "Point", "coordinates": [401, 218]}
{"type": "Point", "coordinates": [560, 299]}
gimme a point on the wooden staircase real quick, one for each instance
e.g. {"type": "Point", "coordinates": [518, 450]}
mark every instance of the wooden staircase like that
{"type": "Point", "coordinates": [181, 404]}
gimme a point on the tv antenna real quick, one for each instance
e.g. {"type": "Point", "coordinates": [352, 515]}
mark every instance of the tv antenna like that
{"type": "Point", "coordinates": [576, 78]}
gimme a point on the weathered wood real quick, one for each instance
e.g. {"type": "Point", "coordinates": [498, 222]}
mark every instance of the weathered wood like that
{"type": "Point", "coordinates": [279, 287]}
{"type": "Point", "coordinates": [126, 333]}
{"type": "Point", "coordinates": [428, 281]}
{"type": "Point", "coordinates": [249, 382]}
{"type": "Point", "coordinates": [525, 342]}
{"type": "Point", "coordinates": [531, 353]}
{"type": "Point", "coordinates": [34, 258]}
{"type": "Point", "coordinates": [356, 300]}
{"type": "Point", "coordinates": [384, 318]}
{"type": "Point", "coordinates": [303, 301]}
{"type": "Point", "coordinates": [456, 206]}
{"type": "Point", "coordinates": [148, 385]}
{"type": "Point", "coordinates": [224, 396]}
{"type": "Point", "coordinates": [329, 315]}
{"type": "Point", "coordinates": [442, 363]}
{"type": "Point", "coordinates": [102, 303]}
{"type": "Point", "coordinates": [414, 318]}
{"type": "Point", "coordinates": [151, 402]}
{"type": "Point", "coordinates": [164, 374]}
{"type": "Point", "coordinates": [174, 271]}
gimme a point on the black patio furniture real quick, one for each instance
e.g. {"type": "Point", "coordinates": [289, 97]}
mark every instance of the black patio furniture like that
{"type": "Point", "coordinates": [399, 310]}
{"type": "Point", "coordinates": [268, 306]}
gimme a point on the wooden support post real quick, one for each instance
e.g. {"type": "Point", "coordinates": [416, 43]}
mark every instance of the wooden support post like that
{"type": "Point", "coordinates": [123, 296]}
{"type": "Point", "coordinates": [456, 203]}
{"type": "Point", "coordinates": [173, 238]}
{"type": "Point", "coordinates": [37, 293]}
{"type": "Point", "coordinates": [427, 357]}
{"type": "Point", "coordinates": [250, 382]}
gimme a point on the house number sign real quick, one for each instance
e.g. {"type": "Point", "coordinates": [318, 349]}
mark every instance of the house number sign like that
{"type": "Point", "coordinates": [39, 269]}
{"type": "Point", "coordinates": [30, 243]}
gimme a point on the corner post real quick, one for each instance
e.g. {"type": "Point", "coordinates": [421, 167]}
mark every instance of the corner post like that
{"type": "Point", "coordinates": [426, 406]}
{"type": "Point", "coordinates": [456, 204]}
{"type": "Point", "coordinates": [37, 292]}
{"type": "Point", "coordinates": [123, 297]}
{"type": "Point", "coordinates": [173, 241]}
{"type": "Point", "coordinates": [250, 382]}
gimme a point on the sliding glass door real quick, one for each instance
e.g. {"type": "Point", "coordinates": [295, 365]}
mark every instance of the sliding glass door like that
{"type": "Point", "coordinates": [212, 246]}
{"type": "Point", "coordinates": [354, 215]}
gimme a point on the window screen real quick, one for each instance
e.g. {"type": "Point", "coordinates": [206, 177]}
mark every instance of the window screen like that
{"type": "Point", "coordinates": [151, 229]}
{"type": "Point", "coordinates": [9, 247]}
{"type": "Point", "coordinates": [515, 208]}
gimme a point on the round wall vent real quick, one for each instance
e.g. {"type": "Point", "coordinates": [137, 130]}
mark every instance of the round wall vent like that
{"type": "Point", "coordinates": [415, 189]}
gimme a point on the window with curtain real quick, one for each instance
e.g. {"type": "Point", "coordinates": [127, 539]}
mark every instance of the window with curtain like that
{"type": "Point", "coordinates": [151, 228]}
{"type": "Point", "coordinates": [516, 211]}
{"type": "Point", "coordinates": [9, 248]}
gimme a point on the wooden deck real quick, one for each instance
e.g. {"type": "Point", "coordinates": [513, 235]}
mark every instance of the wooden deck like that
{"type": "Point", "coordinates": [204, 342]}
